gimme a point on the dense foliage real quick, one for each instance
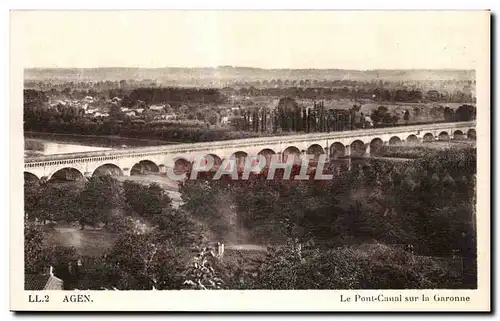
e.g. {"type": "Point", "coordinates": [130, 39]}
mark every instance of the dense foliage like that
{"type": "Point", "coordinates": [198, 112]}
{"type": "Point", "coordinates": [391, 91]}
{"type": "Point", "coordinates": [379, 225]}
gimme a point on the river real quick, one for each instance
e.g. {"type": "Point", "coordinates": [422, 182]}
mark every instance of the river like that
{"type": "Point", "coordinates": [40, 144]}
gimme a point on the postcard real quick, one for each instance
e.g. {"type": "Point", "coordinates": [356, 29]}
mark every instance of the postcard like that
{"type": "Point", "coordinates": [170, 160]}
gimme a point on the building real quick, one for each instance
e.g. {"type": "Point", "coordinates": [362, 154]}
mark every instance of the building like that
{"type": "Point", "coordinates": [157, 107]}
{"type": "Point", "coordinates": [99, 114]}
{"type": "Point", "coordinates": [88, 99]}
{"type": "Point", "coordinates": [45, 281]}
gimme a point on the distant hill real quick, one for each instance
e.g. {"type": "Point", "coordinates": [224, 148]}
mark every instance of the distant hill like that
{"type": "Point", "coordinates": [228, 73]}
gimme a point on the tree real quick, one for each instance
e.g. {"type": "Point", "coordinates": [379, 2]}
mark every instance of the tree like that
{"type": "Point", "coordinates": [390, 119]}
{"type": "Point", "coordinates": [436, 113]}
{"type": "Point", "coordinates": [51, 202]}
{"type": "Point", "coordinates": [146, 201]}
{"type": "Point", "coordinates": [96, 274]}
{"type": "Point", "coordinates": [287, 108]}
{"type": "Point", "coordinates": [101, 196]}
{"type": "Point", "coordinates": [466, 113]}
{"type": "Point", "coordinates": [448, 114]}
{"type": "Point", "coordinates": [202, 274]}
{"type": "Point", "coordinates": [283, 269]}
{"type": "Point", "coordinates": [143, 261]}
{"type": "Point", "coordinates": [432, 95]}
{"type": "Point", "coordinates": [406, 116]}
{"type": "Point", "coordinates": [378, 114]}
{"type": "Point", "coordinates": [32, 196]}
{"type": "Point", "coordinates": [35, 253]}
{"type": "Point", "coordinates": [180, 228]}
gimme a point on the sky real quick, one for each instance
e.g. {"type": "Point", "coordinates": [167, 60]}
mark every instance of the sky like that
{"type": "Point", "coordinates": [265, 39]}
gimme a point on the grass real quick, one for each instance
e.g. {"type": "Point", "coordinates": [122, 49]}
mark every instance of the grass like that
{"type": "Point", "coordinates": [86, 242]}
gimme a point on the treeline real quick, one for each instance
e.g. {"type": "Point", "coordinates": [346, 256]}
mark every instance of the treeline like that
{"type": "Point", "coordinates": [92, 86]}
{"type": "Point", "coordinates": [289, 116]}
{"type": "Point", "coordinates": [461, 91]}
{"type": "Point", "coordinates": [165, 131]}
{"type": "Point", "coordinates": [358, 92]}
{"type": "Point", "coordinates": [131, 97]}
{"type": "Point", "coordinates": [169, 95]}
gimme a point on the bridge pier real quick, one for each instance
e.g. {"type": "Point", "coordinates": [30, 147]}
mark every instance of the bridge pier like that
{"type": "Point", "coordinates": [348, 155]}
{"type": "Point", "coordinates": [367, 150]}
{"type": "Point", "coordinates": [280, 157]}
{"type": "Point", "coordinates": [126, 171]}
{"type": "Point", "coordinates": [327, 154]}
{"type": "Point", "coordinates": [87, 175]}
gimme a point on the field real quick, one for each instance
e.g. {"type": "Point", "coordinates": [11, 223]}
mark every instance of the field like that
{"type": "Point", "coordinates": [86, 242]}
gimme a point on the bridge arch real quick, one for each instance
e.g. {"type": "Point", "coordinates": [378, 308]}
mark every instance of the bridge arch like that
{"type": "Point", "coordinates": [217, 161]}
{"type": "Point", "coordinates": [412, 139]}
{"type": "Point", "coordinates": [108, 169]}
{"type": "Point", "coordinates": [144, 167]}
{"type": "Point", "coordinates": [31, 179]}
{"type": "Point", "coordinates": [458, 135]}
{"type": "Point", "coordinates": [358, 148]}
{"type": "Point", "coordinates": [337, 150]}
{"type": "Point", "coordinates": [267, 151]}
{"type": "Point", "coordinates": [471, 134]}
{"type": "Point", "coordinates": [291, 151]}
{"type": "Point", "coordinates": [444, 136]}
{"type": "Point", "coordinates": [395, 140]}
{"type": "Point", "coordinates": [268, 154]}
{"type": "Point", "coordinates": [429, 137]}
{"type": "Point", "coordinates": [316, 150]}
{"type": "Point", "coordinates": [182, 165]}
{"type": "Point", "coordinates": [65, 174]}
{"type": "Point", "coordinates": [240, 158]}
{"type": "Point", "coordinates": [376, 146]}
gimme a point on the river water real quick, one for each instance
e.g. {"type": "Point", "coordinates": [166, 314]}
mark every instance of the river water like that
{"type": "Point", "coordinates": [41, 144]}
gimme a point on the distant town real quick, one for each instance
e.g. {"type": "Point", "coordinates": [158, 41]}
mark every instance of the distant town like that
{"type": "Point", "coordinates": [236, 109]}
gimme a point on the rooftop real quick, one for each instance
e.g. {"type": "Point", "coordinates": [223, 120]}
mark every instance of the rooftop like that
{"type": "Point", "coordinates": [38, 282]}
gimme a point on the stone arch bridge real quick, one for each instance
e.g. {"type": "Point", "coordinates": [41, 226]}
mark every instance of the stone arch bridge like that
{"type": "Point", "coordinates": [132, 161]}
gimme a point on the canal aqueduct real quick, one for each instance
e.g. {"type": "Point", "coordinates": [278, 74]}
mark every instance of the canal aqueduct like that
{"type": "Point", "coordinates": [157, 159]}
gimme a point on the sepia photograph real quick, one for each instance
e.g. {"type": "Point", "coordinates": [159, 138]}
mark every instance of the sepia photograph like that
{"type": "Point", "coordinates": [250, 150]}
